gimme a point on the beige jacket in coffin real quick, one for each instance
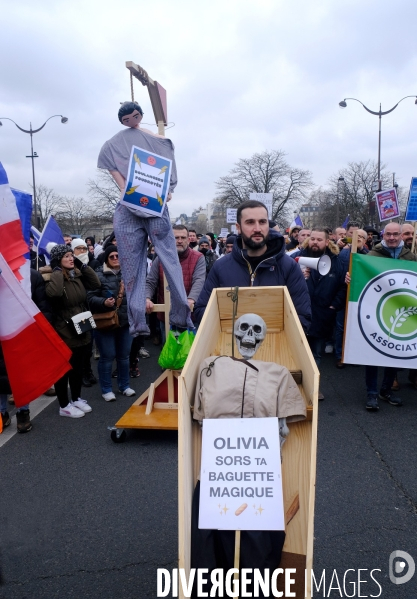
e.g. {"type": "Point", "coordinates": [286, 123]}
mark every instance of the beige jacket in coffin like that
{"type": "Point", "coordinates": [264, 388]}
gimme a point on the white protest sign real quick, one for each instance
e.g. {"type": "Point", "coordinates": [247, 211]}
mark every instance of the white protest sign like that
{"type": "Point", "coordinates": [241, 484]}
{"type": "Point", "coordinates": [231, 215]}
{"type": "Point", "coordinates": [265, 198]}
{"type": "Point", "coordinates": [224, 232]}
{"type": "Point", "coordinates": [233, 228]}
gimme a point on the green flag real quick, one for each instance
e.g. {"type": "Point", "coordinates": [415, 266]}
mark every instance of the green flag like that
{"type": "Point", "coordinates": [381, 326]}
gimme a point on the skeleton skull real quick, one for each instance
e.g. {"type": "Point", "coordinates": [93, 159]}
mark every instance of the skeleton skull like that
{"type": "Point", "coordinates": [250, 331]}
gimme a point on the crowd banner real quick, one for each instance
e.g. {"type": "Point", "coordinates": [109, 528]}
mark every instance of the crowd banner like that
{"type": "Point", "coordinates": [387, 204]}
{"type": "Point", "coordinates": [381, 324]}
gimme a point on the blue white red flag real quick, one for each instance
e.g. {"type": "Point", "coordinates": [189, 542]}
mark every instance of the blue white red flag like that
{"type": "Point", "coordinates": [12, 243]}
{"type": "Point", "coordinates": [23, 326]}
{"type": "Point", "coordinates": [24, 207]}
{"type": "Point", "coordinates": [36, 236]}
{"type": "Point", "coordinates": [297, 222]}
{"type": "Point", "coordinates": [51, 234]}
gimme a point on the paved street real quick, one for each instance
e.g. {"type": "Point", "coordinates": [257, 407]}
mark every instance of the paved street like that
{"type": "Point", "coordinates": [84, 517]}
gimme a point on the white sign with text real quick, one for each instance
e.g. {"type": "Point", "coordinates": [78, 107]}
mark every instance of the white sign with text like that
{"type": "Point", "coordinates": [265, 198]}
{"type": "Point", "coordinates": [231, 215]}
{"type": "Point", "coordinates": [241, 483]}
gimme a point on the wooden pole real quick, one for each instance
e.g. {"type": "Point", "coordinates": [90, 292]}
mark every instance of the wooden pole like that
{"type": "Point", "coordinates": [414, 236]}
{"type": "Point", "coordinates": [167, 302]}
{"type": "Point", "coordinates": [353, 250]}
{"type": "Point", "coordinates": [354, 247]}
{"type": "Point", "coordinates": [237, 554]}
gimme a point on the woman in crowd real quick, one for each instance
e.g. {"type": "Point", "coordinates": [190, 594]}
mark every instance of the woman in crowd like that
{"type": "Point", "coordinates": [67, 290]}
{"type": "Point", "coordinates": [79, 248]}
{"type": "Point", "coordinates": [114, 343]}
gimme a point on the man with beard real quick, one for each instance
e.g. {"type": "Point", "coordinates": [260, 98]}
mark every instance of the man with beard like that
{"type": "Point", "coordinates": [327, 292]}
{"type": "Point", "coordinates": [293, 240]}
{"type": "Point", "coordinates": [257, 259]}
{"type": "Point", "coordinates": [407, 235]}
{"type": "Point", "coordinates": [193, 273]}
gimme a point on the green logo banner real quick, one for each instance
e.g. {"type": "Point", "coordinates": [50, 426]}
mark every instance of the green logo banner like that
{"type": "Point", "coordinates": [381, 326]}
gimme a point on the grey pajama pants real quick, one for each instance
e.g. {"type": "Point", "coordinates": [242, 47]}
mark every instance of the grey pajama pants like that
{"type": "Point", "coordinates": [132, 232]}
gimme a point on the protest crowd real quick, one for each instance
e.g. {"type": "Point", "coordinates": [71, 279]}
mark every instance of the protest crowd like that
{"type": "Point", "coordinates": [85, 275]}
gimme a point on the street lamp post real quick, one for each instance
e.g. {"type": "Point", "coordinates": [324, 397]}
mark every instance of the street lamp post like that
{"type": "Point", "coordinates": [340, 184]}
{"type": "Point", "coordinates": [379, 114]}
{"type": "Point", "coordinates": [33, 154]}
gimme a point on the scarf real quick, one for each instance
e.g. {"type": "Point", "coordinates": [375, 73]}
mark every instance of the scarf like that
{"type": "Point", "coordinates": [395, 252]}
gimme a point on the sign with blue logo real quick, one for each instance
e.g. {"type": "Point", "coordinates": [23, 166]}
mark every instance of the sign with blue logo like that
{"type": "Point", "coordinates": [411, 212]}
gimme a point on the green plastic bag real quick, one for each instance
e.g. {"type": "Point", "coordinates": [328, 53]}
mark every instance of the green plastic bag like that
{"type": "Point", "coordinates": [185, 341]}
{"type": "Point", "coordinates": [176, 349]}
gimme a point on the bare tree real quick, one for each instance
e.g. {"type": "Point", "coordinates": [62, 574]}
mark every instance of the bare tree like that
{"type": "Point", "coordinates": [48, 203]}
{"type": "Point", "coordinates": [105, 192]}
{"type": "Point", "coordinates": [350, 193]}
{"type": "Point", "coordinates": [76, 215]}
{"type": "Point", "coordinates": [265, 172]}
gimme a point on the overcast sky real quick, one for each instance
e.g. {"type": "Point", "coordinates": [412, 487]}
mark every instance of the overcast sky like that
{"type": "Point", "coordinates": [241, 77]}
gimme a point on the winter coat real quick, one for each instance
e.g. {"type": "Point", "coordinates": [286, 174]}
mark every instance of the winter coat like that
{"type": "Point", "coordinates": [36, 262]}
{"type": "Point", "coordinates": [325, 291]}
{"type": "Point", "coordinates": [193, 273]}
{"type": "Point", "coordinates": [292, 244]}
{"type": "Point", "coordinates": [275, 269]}
{"type": "Point", "coordinates": [382, 252]}
{"type": "Point", "coordinates": [344, 256]}
{"type": "Point", "coordinates": [210, 258]}
{"type": "Point", "coordinates": [4, 379]}
{"type": "Point", "coordinates": [38, 292]}
{"type": "Point", "coordinates": [110, 284]}
{"type": "Point", "coordinates": [68, 298]}
{"type": "Point", "coordinates": [93, 262]}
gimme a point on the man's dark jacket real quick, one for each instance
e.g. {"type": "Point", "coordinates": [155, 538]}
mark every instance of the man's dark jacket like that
{"type": "Point", "coordinates": [36, 262]}
{"type": "Point", "coordinates": [325, 291]}
{"type": "Point", "coordinates": [344, 256]}
{"type": "Point", "coordinates": [275, 269]}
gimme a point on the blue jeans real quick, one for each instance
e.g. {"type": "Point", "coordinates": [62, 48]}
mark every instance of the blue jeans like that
{"type": "Point", "coordinates": [3, 404]}
{"type": "Point", "coordinates": [111, 345]}
{"type": "Point", "coordinates": [371, 379]}
{"type": "Point", "coordinates": [317, 347]}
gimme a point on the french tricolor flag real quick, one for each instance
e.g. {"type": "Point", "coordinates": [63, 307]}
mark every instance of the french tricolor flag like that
{"type": "Point", "coordinates": [35, 355]}
{"type": "Point", "coordinates": [24, 330]}
{"type": "Point", "coordinates": [12, 243]}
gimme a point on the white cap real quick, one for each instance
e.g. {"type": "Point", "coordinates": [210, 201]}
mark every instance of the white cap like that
{"type": "Point", "coordinates": [77, 242]}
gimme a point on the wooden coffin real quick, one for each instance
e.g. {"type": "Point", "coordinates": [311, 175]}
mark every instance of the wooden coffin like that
{"type": "Point", "coordinates": [285, 344]}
